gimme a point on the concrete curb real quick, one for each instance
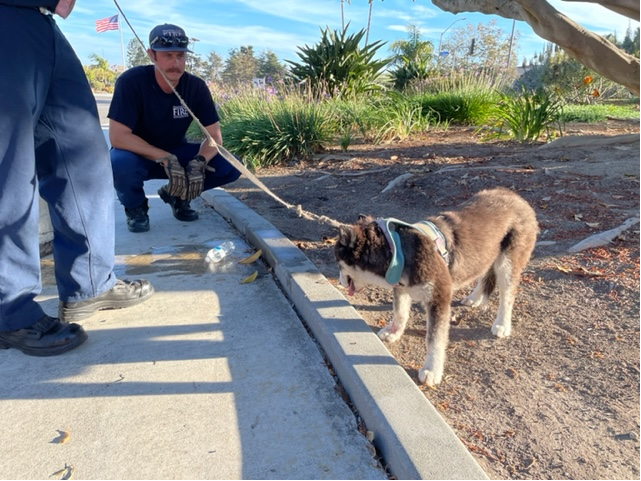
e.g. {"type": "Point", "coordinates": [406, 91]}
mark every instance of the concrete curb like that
{"type": "Point", "coordinates": [413, 438]}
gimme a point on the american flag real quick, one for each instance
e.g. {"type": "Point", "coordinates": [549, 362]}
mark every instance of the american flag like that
{"type": "Point", "coordinates": [109, 23]}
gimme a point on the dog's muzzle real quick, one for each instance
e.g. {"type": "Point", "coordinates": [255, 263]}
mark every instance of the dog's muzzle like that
{"type": "Point", "coordinates": [347, 282]}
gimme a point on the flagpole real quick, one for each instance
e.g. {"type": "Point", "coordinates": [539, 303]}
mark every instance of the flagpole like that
{"type": "Point", "coordinates": [122, 48]}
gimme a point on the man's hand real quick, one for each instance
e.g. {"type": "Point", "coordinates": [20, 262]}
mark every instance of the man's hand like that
{"type": "Point", "coordinates": [195, 171]}
{"type": "Point", "coordinates": [64, 8]}
{"type": "Point", "coordinates": [177, 186]}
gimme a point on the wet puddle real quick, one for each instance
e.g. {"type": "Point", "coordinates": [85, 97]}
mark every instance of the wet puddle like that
{"type": "Point", "coordinates": [179, 259]}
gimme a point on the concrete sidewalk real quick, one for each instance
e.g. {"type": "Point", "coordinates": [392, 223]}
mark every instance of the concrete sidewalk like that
{"type": "Point", "coordinates": [213, 379]}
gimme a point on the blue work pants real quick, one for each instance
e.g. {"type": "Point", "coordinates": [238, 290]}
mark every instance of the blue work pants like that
{"type": "Point", "coordinates": [51, 143]}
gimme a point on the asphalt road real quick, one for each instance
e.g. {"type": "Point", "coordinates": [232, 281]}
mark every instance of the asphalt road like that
{"type": "Point", "coordinates": [103, 101]}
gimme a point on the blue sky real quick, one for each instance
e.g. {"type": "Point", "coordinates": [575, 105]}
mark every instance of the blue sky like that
{"type": "Point", "coordinates": [283, 25]}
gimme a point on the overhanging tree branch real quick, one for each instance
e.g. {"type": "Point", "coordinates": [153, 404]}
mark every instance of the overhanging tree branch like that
{"type": "Point", "coordinates": [590, 49]}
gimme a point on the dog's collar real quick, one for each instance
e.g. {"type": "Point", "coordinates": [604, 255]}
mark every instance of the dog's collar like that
{"type": "Point", "coordinates": [395, 269]}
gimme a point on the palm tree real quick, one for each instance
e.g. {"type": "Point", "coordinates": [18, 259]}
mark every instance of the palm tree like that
{"type": "Point", "coordinates": [412, 57]}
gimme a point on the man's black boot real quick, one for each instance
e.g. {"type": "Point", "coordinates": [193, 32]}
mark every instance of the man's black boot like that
{"type": "Point", "coordinates": [47, 337]}
{"type": "Point", "coordinates": [181, 208]}
{"type": "Point", "coordinates": [137, 218]}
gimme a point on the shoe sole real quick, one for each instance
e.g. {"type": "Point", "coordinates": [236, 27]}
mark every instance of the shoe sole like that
{"type": "Point", "coordinates": [138, 229]}
{"type": "Point", "coordinates": [80, 338]}
{"type": "Point", "coordinates": [166, 198]}
{"type": "Point", "coordinates": [80, 313]}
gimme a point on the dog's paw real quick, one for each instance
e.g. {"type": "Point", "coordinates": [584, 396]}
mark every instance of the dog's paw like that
{"type": "Point", "coordinates": [390, 333]}
{"type": "Point", "coordinates": [429, 378]}
{"type": "Point", "coordinates": [500, 330]}
{"type": "Point", "coordinates": [474, 300]}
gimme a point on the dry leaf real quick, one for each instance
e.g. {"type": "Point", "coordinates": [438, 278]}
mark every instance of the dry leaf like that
{"type": "Point", "coordinates": [63, 437]}
{"type": "Point", "coordinates": [251, 278]}
{"type": "Point", "coordinates": [59, 472]}
{"type": "Point", "coordinates": [66, 472]}
{"type": "Point", "coordinates": [69, 473]}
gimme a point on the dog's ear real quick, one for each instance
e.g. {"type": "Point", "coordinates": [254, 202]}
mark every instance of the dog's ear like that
{"type": "Point", "coordinates": [364, 219]}
{"type": "Point", "coordinates": [345, 236]}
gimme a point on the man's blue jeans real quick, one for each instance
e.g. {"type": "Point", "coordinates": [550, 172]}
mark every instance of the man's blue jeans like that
{"type": "Point", "coordinates": [131, 171]}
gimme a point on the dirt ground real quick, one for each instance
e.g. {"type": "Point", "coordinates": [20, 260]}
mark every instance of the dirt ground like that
{"type": "Point", "coordinates": [559, 399]}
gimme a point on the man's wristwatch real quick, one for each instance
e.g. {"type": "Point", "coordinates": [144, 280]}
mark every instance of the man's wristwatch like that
{"type": "Point", "coordinates": [200, 158]}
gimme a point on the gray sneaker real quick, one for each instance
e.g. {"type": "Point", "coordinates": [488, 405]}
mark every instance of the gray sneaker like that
{"type": "Point", "coordinates": [123, 294]}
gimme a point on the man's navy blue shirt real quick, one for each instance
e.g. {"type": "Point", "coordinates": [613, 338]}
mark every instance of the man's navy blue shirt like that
{"type": "Point", "coordinates": [155, 116]}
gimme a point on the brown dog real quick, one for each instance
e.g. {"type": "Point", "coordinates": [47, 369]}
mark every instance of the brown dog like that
{"type": "Point", "coordinates": [489, 239]}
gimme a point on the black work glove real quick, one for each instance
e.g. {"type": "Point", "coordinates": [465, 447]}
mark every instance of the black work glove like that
{"type": "Point", "coordinates": [195, 171]}
{"type": "Point", "coordinates": [177, 186]}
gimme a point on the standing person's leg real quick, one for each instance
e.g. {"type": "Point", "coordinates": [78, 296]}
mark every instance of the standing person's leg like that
{"type": "Point", "coordinates": [23, 90]}
{"type": "Point", "coordinates": [76, 181]}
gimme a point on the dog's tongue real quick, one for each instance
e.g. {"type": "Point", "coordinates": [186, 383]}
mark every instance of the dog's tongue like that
{"type": "Point", "coordinates": [350, 288]}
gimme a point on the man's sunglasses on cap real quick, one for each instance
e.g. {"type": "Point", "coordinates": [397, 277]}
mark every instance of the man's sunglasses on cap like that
{"type": "Point", "coordinates": [164, 41]}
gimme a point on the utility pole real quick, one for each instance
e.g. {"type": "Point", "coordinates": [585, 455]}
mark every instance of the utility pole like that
{"type": "Point", "coordinates": [509, 50]}
{"type": "Point", "coordinates": [440, 40]}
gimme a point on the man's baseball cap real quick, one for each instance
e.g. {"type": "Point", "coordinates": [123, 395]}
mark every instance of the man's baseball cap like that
{"type": "Point", "coordinates": [168, 38]}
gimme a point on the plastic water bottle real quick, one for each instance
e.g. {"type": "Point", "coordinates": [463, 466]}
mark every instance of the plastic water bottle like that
{"type": "Point", "coordinates": [219, 252]}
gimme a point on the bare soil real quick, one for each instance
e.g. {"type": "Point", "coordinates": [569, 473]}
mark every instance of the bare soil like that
{"type": "Point", "coordinates": [559, 399]}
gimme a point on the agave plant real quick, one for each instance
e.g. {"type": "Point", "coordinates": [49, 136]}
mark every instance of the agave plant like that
{"type": "Point", "coordinates": [337, 66]}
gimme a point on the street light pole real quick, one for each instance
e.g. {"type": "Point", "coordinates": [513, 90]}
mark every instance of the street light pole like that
{"type": "Point", "coordinates": [193, 42]}
{"type": "Point", "coordinates": [440, 40]}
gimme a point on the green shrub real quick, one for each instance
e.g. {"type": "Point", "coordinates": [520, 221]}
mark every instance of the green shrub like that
{"type": "Point", "coordinates": [526, 114]}
{"type": "Point", "coordinates": [467, 98]}
{"type": "Point", "coordinates": [265, 131]}
{"type": "Point", "coordinates": [398, 116]}
{"type": "Point", "coordinates": [598, 112]}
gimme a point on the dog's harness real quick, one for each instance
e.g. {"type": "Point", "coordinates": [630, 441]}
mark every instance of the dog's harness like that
{"type": "Point", "coordinates": [388, 226]}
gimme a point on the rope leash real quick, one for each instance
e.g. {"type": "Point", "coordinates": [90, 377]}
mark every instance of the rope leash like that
{"type": "Point", "coordinates": [300, 212]}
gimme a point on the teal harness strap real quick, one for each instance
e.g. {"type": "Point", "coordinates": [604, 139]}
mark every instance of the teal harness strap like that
{"type": "Point", "coordinates": [395, 269]}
